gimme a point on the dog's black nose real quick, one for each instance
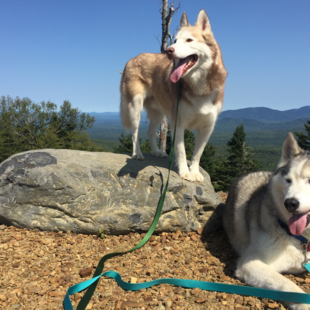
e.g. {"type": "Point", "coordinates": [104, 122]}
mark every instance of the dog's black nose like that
{"type": "Point", "coordinates": [291, 204]}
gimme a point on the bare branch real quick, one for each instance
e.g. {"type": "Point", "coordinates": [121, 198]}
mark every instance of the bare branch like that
{"type": "Point", "coordinates": [120, 71]}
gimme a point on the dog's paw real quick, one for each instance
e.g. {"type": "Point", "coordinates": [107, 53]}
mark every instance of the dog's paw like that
{"type": "Point", "coordinates": [188, 176]}
{"type": "Point", "coordinates": [159, 153]}
{"type": "Point", "coordinates": [137, 156]}
{"type": "Point", "coordinates": [198, 176]}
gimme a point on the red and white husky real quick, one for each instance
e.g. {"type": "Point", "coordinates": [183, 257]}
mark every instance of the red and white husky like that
{"type": "Point", "coordinates": [150, 81]}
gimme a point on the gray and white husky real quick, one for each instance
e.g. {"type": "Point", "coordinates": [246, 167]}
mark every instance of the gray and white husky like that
{"type": "Point", "coordinates": [264, 214]}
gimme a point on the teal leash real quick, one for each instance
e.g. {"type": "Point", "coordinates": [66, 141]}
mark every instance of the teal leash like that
{"type": "Point", "coordinates": [91, 284]}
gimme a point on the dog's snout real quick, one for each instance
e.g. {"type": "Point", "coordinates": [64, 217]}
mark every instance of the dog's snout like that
{"type": "Point", "coordinates": [291, 204]}
{"type": "Point", "coordinates": [169, 52]}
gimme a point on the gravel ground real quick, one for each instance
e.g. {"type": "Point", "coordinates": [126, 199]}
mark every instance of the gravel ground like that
{"type": "Point", "coordinates": [37, 268]}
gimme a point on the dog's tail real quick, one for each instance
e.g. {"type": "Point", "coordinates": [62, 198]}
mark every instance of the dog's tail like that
{"type": "Point", "coordinates": [124, 111]}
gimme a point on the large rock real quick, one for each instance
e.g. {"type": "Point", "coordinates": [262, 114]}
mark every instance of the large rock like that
{"type": "Point", "coordinates": [83, 191]}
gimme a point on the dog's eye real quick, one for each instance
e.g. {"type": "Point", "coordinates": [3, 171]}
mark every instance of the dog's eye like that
{"type": "Point", "coordinates": [189, 40]}
{"type": "Point", "coordinates": [289, 181]}
{"type": "Point", "coordinates": [175, 41]}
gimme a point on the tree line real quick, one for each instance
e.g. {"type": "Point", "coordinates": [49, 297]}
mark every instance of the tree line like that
{"type": "Point", "coordinates": [223, 171]}
{"type": "Point", "coordinates": [26, 126]}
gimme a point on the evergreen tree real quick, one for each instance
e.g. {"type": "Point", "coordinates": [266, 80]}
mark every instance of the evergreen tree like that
{"type": "Point", "coordinates": [239, 161]}
{"type": "Point", "coordinates": [302, 139]}
{"type": "Point", "coordinates": [209, 162]}
{"type": "Point", "coordinates": [189, 141]}
{"type": "Point", "coordinates": [125, 145]}
{"type": "Point", "coordinates": [25, 126]}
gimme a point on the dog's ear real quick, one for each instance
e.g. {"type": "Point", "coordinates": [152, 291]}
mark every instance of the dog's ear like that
{"type": "Point", "coordinates": [184, 21]}
{"type": "Point", "coordinates": [290, 149]}
{"type": "Point", "coordinates": [203, 21]}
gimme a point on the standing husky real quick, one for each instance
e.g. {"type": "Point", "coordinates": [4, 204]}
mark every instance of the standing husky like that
{"type": "Point", "coordinates": [263, 215]}
{"type": "Point", "coordinates": [150, 81]}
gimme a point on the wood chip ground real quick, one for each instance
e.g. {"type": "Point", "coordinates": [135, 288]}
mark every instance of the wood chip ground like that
{"type": "Point", "coordinates": [37, 268]}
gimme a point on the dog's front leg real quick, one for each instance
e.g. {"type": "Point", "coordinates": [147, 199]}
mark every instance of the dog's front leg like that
{"type": "Point", "coordinates": [180, 154]}
{"type": "Point", "coordinates": [203, 135]}
{"type": "Point", "coordinates": [258, 274]}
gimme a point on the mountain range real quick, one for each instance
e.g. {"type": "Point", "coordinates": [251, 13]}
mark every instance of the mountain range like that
{"type": "Point", "coordinates": [259, 114]}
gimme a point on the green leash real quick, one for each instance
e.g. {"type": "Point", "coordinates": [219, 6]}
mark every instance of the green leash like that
{"type": "Point", "coordinates": [210, 286]}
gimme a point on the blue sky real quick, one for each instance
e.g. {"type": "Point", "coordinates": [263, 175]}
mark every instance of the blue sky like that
{"type": "Point", "coordinates": [72, 50]}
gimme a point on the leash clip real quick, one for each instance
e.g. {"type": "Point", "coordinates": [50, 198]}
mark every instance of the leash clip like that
{"type": "Point", "coordinates": [304, 246]}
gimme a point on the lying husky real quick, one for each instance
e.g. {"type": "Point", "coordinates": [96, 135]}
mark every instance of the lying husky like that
{"type": "Point", "coordinates": [150, 81]}
{"type": "Point", "coordinates": [264, 216]}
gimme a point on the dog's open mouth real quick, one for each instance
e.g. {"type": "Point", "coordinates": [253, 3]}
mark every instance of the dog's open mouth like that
{"type": "Point", "coordinates": [298, 222]}
{"type": "Point", "coordinates": [182, 67]}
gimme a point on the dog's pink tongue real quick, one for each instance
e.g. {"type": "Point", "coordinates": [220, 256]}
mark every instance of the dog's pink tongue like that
{"type": "Point", "coordinates": [297, 223]}
{"type": "Point", "coordinates": [178, 70]}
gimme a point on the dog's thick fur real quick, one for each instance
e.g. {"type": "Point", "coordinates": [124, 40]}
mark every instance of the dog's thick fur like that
{"type": "Point", "coordinates": [148, 82]}
{"type": "Point", "coordinates": [255, 204]}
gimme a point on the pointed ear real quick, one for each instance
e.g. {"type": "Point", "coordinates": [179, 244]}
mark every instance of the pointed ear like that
{"type": "Point", "coordinates": [203, 21]}
{"type": "Point", "coordinates": [183, 21]}
{"type": "Point", "coordinates": [290, 149]}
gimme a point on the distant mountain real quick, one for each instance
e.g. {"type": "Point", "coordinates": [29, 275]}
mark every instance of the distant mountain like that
{"type": "Point", "coordinates": [258, 114]}
{"type": "Point", "coordinates": [267, 115]}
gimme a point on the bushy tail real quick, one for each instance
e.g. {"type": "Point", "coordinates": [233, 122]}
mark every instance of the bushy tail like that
{"type": "Point", "coordinates": [124, 110]}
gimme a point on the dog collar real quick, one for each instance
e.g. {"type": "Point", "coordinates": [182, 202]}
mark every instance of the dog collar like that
{"type": "Point", "coordinates": [305, 243]}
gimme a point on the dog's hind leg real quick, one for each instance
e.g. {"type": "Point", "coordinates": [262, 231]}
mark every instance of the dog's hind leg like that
{"type": "Point", "coordinates": [135, 110]}
{"type": "Point", "coordinates": [155, 116]}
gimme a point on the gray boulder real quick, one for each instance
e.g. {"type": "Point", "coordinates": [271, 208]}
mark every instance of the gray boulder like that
{"type": "Point", "coordinates": [85, 191]}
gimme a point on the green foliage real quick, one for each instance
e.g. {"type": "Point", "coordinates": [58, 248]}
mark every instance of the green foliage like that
{"type": "Point", "coordinates": [25, 126]}
{"type": "Point", "coordinates": [240, 160]}
{"type": "Point", "coordinates": [235, 160]}
{"type": "Point", "coordinates": [189, 141]}
{"type": "Point", "coordinates": [125, 145]}
{"type": "Point", "coordinates": [101, 233]}
{"type": "Point", "coordinates": [304, 139]}
{"type": "Point", "coordinates": [209, 162]}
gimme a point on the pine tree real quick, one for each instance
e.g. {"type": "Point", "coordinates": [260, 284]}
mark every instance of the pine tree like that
{"type": "Point", "coordinates": [302, 139]}
{"type": "Point", "coordinates": [209, 162]}
{"type": "Point", "coordinates": [189, 141]}
{"type": "Point", "coordinates": [240, 159]}
{"type": "Point", "coordinates": [125, 145]}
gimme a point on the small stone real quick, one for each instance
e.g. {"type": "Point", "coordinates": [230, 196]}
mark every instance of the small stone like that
{"type": "Point", "coordinates": [203, 270]}
{"type": "Point", "coordinates": [194, 238]}
{"type": "Point", "coordinates": [68, 278]}
{"type": "Point", "coordinates": [86, 272]}
{"type": "Point", "coordinates": [15, 265]}
{"type": "Point", "coordinates": [16, 306]}
{"type": "Point", "coordinates": [200, 300]}
{"type": "Point", "coordinates": [200, 230]}
{"type": "Point", "coordinates": [3, 297]}
{"type": "Point", "coordinates": [273, 305]}
{"type": "Point", "coordinates": [133, 280]}
{"type": "Point", "coordinates": [149, 272]}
